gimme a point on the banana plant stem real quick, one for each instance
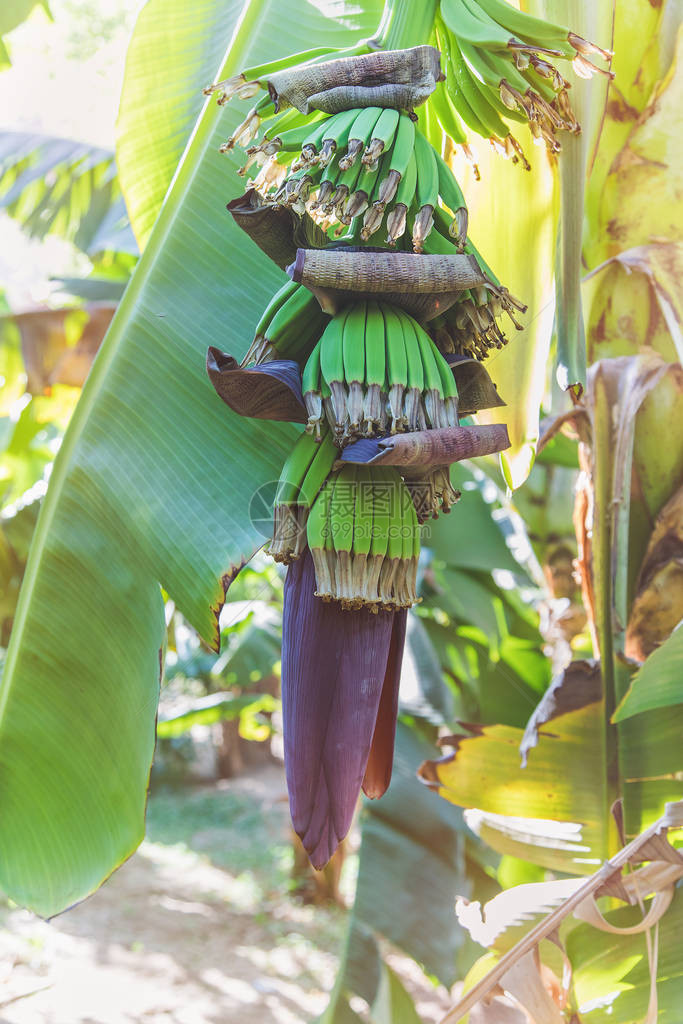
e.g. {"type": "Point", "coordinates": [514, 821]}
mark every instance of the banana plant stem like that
{"type": "Point", "coordinates": [404, 24]}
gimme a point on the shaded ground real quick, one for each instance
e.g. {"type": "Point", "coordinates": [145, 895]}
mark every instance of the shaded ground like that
{"type": "Point", "coordinates": [198, 927]}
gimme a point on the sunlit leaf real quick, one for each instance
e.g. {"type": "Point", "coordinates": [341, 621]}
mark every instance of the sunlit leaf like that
{"type": "Point", "coordinates": [641, 194]}
{"type": "Point", "coordinates": [517, 238]}
{"type": "Point", "coordinates": [552, 810]}
{"type": "Point", "coordinates": [611, 972]}
{"type": "Point", "coordinates": [214, 707]}
{"type": "Point", "coordinates": [636, 303]}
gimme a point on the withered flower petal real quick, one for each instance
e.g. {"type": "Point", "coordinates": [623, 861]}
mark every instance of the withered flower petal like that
{"type": "Point", "coordinates": [271, 391]}
{"type": "Point", "coordinates": [336, 664]}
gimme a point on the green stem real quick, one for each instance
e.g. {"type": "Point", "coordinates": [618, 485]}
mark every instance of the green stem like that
{"type": "Point", "coordinates": [405, 23]}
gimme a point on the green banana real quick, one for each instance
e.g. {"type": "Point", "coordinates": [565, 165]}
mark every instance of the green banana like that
{"type": "Point", "coordinates": [294, 138]}
{"type": "Point", "coordinates": [296, 188]}
{"type": "Point", "coordinates": [286, 533]}
{"type": "Point", "coordinates": [362, 533]}
{"type": "Point", "coordinates": [478, 97]}
{"type": "Point", "coordinates": [311, 146]}
{"type": "Point", "coordinates": [432, 393]}
{"type": "Point", "coordinates": [449, 388]}
{"type": "Point", "coordinates": [359, 200]}
{"type": "Point", "coordinates": [482, 32]}
{"type": "Point", "coordinates": [379, 534]}
{"type": "Point", "coordinates": [318, 471]}
{"type": "Point", "coordinates": [344, 185]}
{"type": "Point", "coordinates": [415, 372]}
{"type": "Point", "coordinates": [359, 135]}
{"type": "Point", "coordinates": [310, 387]}
{"type": "Point", "coordinates": [319, 539]}
{"type": "Point", "coordinates": [332, 368]}
{"type": "Point", "coordinates": [452, 195]}
{"type": "Point", "coordinates": [327, 185]}
{"type": "Point", "coordinates": [355, 329]}
{"type": "Point", "coordinates": [262, 71]}
{"type": "Point", "coordinates": [375, 367]}
{"type": "Point", "coordinates": [382, 135]}
{"type": "Point", "coordinates": [527, 27]}
{"type": "Point", "coordinates": [336, 134]}
{"type": "Point", "coordinates": [296, 326]}
{"type": "Point", "coordinates": [405, 581]}
{"type": "Point", "coordinates": [401, 153]}
{"type": "Point", "coordinates": [411, 576]}
{"type": "Point", "coordinates": [394, 528]}
{"type": "Point", "coordinates": [397, 366]}
{"type": "Point", "coordinates": [342, 509]}
{"type": "Point", "coordinates": [427, 190]}
{"type": "Point", "coordinates": [259, 346]}
{"type": "Point", "coordinates": [447, 115]}
{"type": "Point", "coordinates": [375, 213]}
{"type": "Point", "coordinates": [405, 194]}
{"type": "Point", "coordinates": [457, 84]}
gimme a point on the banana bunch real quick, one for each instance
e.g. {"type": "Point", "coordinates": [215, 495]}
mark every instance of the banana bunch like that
{"type": "Point", "coordinates": [497, 68]}
{"type": "Point", "coordinates": [367, 162]}
{"type": "Point", "coordinates": [364, 538]}
{"type": "Point", "coordinates": [375, 370]}
{"type": "Point", "coordinates": [289, 328]}
{"type": "Point", "coordinates": [303, 474]}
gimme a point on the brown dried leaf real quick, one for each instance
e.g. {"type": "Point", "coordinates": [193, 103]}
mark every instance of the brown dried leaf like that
{"type": "Point", "coordinates": [579, 685]}
{"type": "Point", "coordinates": [49, 356]}
{"type": "Point", "coordinates": [658, 604]}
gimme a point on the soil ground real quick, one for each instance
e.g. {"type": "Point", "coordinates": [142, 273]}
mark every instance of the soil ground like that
{"type": "Point", "coordinates": [199, 927]}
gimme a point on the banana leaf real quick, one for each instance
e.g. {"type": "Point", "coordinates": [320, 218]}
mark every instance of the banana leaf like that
{"type": "Point", "coordinates": [174, 51]}
{"type": "Point", "coordinates": [214, 707]}
{"type": "Point", "coordinates": [59, 186]}
{"type": "Point", "coordinates": [152, 485]}
{"type": "Point", "coordinates": [14, 12]}
{"type": "Point", "coordinates": [551, 810]}
{"type": "Point", "coordinates": [517, 238]}
{"type": "Point", "coordinates": [612, 975]}
{"type": "Point", "coordinates": [659, 683]}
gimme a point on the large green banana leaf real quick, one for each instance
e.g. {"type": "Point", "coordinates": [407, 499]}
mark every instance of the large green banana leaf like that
{"type": "Point", "coordinates": [517, 239]}
{"type": "Point", "coordinates": [174, 51]}
{"type": "Point", "coordinates": [152, 485]}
